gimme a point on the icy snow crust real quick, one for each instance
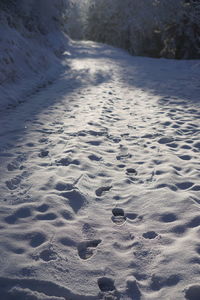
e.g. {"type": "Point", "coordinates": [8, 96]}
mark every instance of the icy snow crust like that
{"type": "Point", "coordinates": [100, 185]}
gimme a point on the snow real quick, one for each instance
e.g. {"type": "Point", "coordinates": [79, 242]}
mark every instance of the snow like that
{"type": "Point", "coordinates": [29, 61]}
{"type": "Point", "coordinates": [100, 181]}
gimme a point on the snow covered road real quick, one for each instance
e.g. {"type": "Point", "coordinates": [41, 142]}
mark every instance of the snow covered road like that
{"type": "Point", "coordinates": [100, 184]}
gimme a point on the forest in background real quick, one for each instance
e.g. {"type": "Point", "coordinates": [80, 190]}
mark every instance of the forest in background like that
{"type": "Point", "coordinates": [156, 28]}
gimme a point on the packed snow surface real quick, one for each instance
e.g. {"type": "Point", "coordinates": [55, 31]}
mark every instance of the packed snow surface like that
{"type": "Point", "coordinates": [100, 182]}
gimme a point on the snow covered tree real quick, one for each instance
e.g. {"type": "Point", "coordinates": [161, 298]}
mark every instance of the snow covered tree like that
{"type": "Point", "coordinates": [129, 24]}
{"type": "Point", "coordinates": [147, 27]}
{"type": "Point", "coordinates": [182, 38]}
{"type": "Point", "coordinates": [74, 20]}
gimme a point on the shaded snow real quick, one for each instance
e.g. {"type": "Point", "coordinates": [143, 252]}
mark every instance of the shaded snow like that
{"type": "Point", "coordinates": [29, 61]}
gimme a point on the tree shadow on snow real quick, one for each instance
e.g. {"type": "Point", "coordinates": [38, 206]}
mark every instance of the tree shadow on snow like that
{"type": "Point", "coordinates": [169, 79]}
{"type": "Point", "coordinates": [50, 94]}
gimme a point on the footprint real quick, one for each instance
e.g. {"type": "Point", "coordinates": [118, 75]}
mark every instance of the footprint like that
{"type": "Point", "coordinates": [43, 207]}
{"type": "Point", "coordinates": [48, 255]}
{"type": "Point", "coordinates": [100, 191]}
{"type": "Point", "coordinates": [179, 229]}
{"type": "Point", "coordinates": [165, 140]}
{"type": "Point", "coordinates": [43, 153]}
{"type": "Point", "coordinates": [158, 282]}
{"type": "Point", "coordinates": [106, 284]}
{"type": "Point", "coordinates": [46, 131]}
{"type": "Point", "coordinates": [13, 166]}
{"type": "Point", "coordinates": [67, 215]}
{"type": "Point", "coordinates": [94, 143]}
{"type": "Point", "coordinates": [68, 242]}
{"type": "Point", "coordinates": [18, 250]}
{"type": "Point", "coordinates": [88, 231]}
{"type": "Point", "coordinates": [184, 185]}
{"type": "Point", "coordinates": [76, 199]}
{"type": "Point", "coordinates": [123, 156]}
{"type": "Point", "coordinates": [43, 140]}
{"type": "Point", "coordinates": [186, 147]}
{"type": "Point", "coordinates": [47, 216]}
{"type": "Point", "coordinates": [94, 157]}
{"type": "Point", "coordinates": [25, 272]}
{"type": "Point", "coordinates": [194, 260]}
{"type": "Point", "coordinates": [131, 171]}
{"type": "Point", "coordinates": [173, 280]}
{"type": "Point", "coordinates": [195, 188]}
{"type": "Point", "coordinates": [13, 183]}
{"type": "Point", "coordinates": [195, 222]}
{"type": "Point", "coordinates": [169, 186]}
{"type": "Point", "coordinates": [36, 239]}
{"type": "Point", "coordinates": [168, 217]}
{"type": "Point", "coordinates": [21, 213]}
{"type": "Point", "coordinates": [132, 289]}
{"type": "Point", "coordinates": [197, 145]}
{"type": "Point", "coordinates": [198, 249]}
{"type": "Point", "coordinates": [30, 145]}
{"type": "Point", "coordinates": [67, 161]}
{"type": "Point", "coordinates": [118, 217]}
{"type": "Point", "coordinates": [185, 157]}
{"type": "Point", "coordinates": [11, 219]}
{"type": "Point", "coordinates": [172, 145]}
{"type": "Point", "coordinates": [96, 133]}
{"type": "Point", "coordinates": [132, 216]}
{"type": "Point", "coordinates": [62, 186]}
{"type": "Point", "coordinates": [86, 249]}
{"type": "Point", "coordinates": [193, 292]}
{"type": "Point", "coordinates": [115, 139]}
{"type": "Point", "coordinates": [121, 166]}
{"type": "Point", "coordinates": [16, 163]}
{"type": "Point", "coordinates": [167, 123]}
{"type": "Point", "coordinates": [150, 235]}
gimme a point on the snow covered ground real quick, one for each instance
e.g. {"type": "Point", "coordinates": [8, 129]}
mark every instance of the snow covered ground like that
{"type": "Point", "coordinates": [29, 60]}
{"type": "Point", "coordinates": [100, 184]}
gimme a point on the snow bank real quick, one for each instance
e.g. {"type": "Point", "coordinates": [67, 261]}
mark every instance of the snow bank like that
{"type": "Point", "coordinates": [29, 59]}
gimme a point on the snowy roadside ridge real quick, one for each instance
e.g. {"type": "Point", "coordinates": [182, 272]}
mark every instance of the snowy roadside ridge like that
{"type": "Point", "coordinates": [29, 61]}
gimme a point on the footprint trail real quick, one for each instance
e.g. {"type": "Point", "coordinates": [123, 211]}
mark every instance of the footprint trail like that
{"type": "Point", "coordinates": [100, 187]}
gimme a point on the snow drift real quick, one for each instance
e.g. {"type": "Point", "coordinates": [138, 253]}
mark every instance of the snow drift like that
{"type": "Point", "coordinates": [32, 43]}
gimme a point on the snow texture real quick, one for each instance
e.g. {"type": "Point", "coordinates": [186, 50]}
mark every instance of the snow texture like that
{"type": "Point", "coordinates": [100, 191]}
{"type": "Point", "coordinates": [31, 51]}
